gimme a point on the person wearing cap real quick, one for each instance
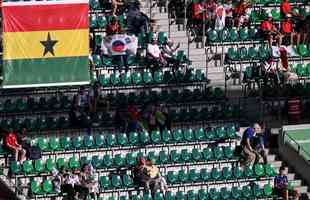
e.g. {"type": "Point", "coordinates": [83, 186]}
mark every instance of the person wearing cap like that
{"type": "Point", "coordinates": [288, 31]}
{"type": "Point", "coordinates": [154, 54]}
{"type": "Point", "coordinates": [268, 31]}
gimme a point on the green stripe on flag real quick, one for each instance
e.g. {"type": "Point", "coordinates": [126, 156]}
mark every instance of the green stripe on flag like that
{"type": "Point", "coordinates": [46, 72]}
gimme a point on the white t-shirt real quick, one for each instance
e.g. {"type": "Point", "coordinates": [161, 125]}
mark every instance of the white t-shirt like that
{"type": "Point", "coordinates": [153, 50]}
{"type": "Point", "coordinates": [72, 179]}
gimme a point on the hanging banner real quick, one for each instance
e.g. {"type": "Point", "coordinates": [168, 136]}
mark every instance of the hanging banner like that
{"type": "Point", "coordinates": [119, 44]}
{"type": "Point", "coordinates": [45, 43]}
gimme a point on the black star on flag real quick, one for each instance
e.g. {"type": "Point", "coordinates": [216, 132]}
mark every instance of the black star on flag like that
{"type": "Point", "coordinates": [49, 45]}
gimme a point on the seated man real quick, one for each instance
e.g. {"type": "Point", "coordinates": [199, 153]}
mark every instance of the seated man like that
{"type": "Point", "coordinates": [281, 186]}
{"type": "Point", "coordinates": [288, 31]}
{"type": "Point", "coordinates": [268, 31]}
{"type": "Point", "coordinates": [140, 175]}
{"type": "Point", "coordinates": [10, 142]}
{"type": "Point", "coordinates": [246, 144]}
{"type": "Point", "coordinates": [169, 52]}
{"type": "Point", "coordinates": [157, 182]}
{"type": "Point", "coordinates": [154, 54]}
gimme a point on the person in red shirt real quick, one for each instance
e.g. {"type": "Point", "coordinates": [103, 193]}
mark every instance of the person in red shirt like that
{"type": "Point", "coordinates": [113, 27]}
{"type": "Point", "coordinates": [288, 31]}
{"type": "Point", "coordinates": [10, 141]}
{"type": "Point", "coordinates": [268, 30]}
{"type": "Point", "coordinates": [239, 13]}
{"type": "Point", "coordinates": [285, 8]}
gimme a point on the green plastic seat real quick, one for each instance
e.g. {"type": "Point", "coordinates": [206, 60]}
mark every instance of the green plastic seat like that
{"type": "Point", "coordinates": [244, 34]}
{"type": "Point", "coordinates": [215, 174]}
{"type": "Point", "coordinates": [237, 172]}
{"type": "Point", "coordinates": [47, 186]}
{"type": "Point", "coordinates": [259, 170]}
{"type": "Point", "coordinates": [185, 155]}
{"type": "Point", "coordinates": [233, 35]}
{"type": "Point", "coordinates": [133, 138]}
{"type": "Point", "coordinates": [275, 13]}
{"type": "Point", "coordinates": [153, 157]}
{"type": "Point", "coordinates": [218, 153]}
{"type": "Point", "coordinates": [243, 53]}
{"type": "Point", "coordinates": [122, 139]}
{"type": "Point", "coordinates": [136, 78]}
{"type": "Point", "coordinates": [207, 154]}
{"type": "Point", "coordinates": [155, 137]}
{"type": "Point", "coordinates": [99, 140]}
{"type": "Point", "coordinates": [130, 159]}
{"type": "Point", "coordinates": [228, 152]}
{"type": "Point", "coordinates": [38, 166]}
{"type": "Point", "coordinates": [226, 173]}
{"type": "Point", "coordinates": [269, 170]}
{"type": "Point", "coordinates": [107, 160]}
{"type": "Point", "coordinates": [248, 172]}
{"type": "Point", "coordinates": [147, 77]}
{"type": "Point", "coordinates": [105, 182]}
{"type": "Point", "coordinates": [214, 194]}
{"type": "Point", "coordinates": [191, 195]}
{"type": "Point", "coordinates": [74, 163]}
{"type": "Point", "coordinates": [54, 143]}
{"type": "Point", "coordinates": [223, 35]}
{"type": "Point", "coordinates": [158, 77]}
{"type": "Point", "coordinates": [163, 157]}
{"type": "Point", "coordinates": [189, 135]}
{"type": "Point", "coordinates": [49, 165]}
{"type": "Point", "coordinates": [21, 104]}
{"type": "Point", "coordinates": [202, 194]}
{"type": "Point", "coordinates": [172, 177]}
{"type": "Point", "coordinates": [111, 140]}
{"type": "Point", "coordinates": [212, 36]}
{"type": "Point", "coordinates": [175, 156]}
{"type": "Point", "coordinates": [144, 137]}
{"type": "Point", "coordinates": [158, 196]}
{"type": "Point", "coordinates": [300, 70]}
{"type": "Point", "coordinates": [196, 155]}
{"type": "Point", "coordinates": [199, 134]}
{"type": "Point", "coordinates": [179, 195]}
{"type": "Point", "coordinates": [236, 193]}
{"type": "Point", "coordinates": [119, 160]}
{"type": "Point", "coordinates": [97, 60]}
{"type": "Point", "coordinates": [247, 191]}
{"type": "Point", "coordinates": [182, 176]}
{"type": "Point", "coordinates": [65, 143]}
{"type": "Point", "coordinates": [225, 194]}
{"type": "Point", "coordinates": [166, 136]}
{"type": "Point", "coordinates": [104, 80]}
{"type": "Point", "coordinates": [35, 187]}
{"type": "Point", "coordinates": [125, 79]}
{"type": "Point", "coordinates": [233, 54]}
{"type": "Point", "coordinates": [127, 181]}
{"type": "Point", "coordinates": [263, 52]}
{"type": "Point", "coordinates": [15, 167]}
{"type": "Point", "coordinates": [193, 175]}
{"type": "Point", "coordinates": [115, 79]}
{"type": "Point", "coordinates": [88, 141]}
{"type": "Point", "coordinates": [177, 135]}
{"type": "Point", "coordinates": [42, 143]}
{"type": "Point", "coordinates": [116, 181]}
{"type": "Point", "coordinates": [61, 163]}
{"type": "Point", "coordinates": [77, 142]}
{"type": "Point", "coordinates": [257, 192]}
{"type": "Point", "coordinates": [204, 174]}
{"type": "Point", "coordinates": [252, 53]}
{"type": "Point", "coordinates": [267, 190]}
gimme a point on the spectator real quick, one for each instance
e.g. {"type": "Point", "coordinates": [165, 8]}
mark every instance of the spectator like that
{"type": "Point", "coordinates": [81, 100]}
{"type": "Point", "coordinates": [198, 11]}
{"type": "Point", "coordinates": [57, 180]}
{"type": "Point", "coordinates": [157, 181]}
{"type": "Point", "coordinates": [115, 6]}
{"type": "Point", "coordinates": [97, 99]}
{"type": "Point", "coordinates": [285, 8]}
{"type": "Point", "coordinates": [169, 52]}
{"type": "Point", "coordinates": [268, 31]}
{"type": "Point", "coordinates": [137, 21]}
{"type": "Point", "coordinates": [154, 54]}
{"type": "Point", "coordinates": [133, 119]}
{"type": "Point", "coordinates": [220, 17]}
{"type": "Point", "coordinates": [239, 13]}
{"type": "Point", "coordinates": [114, 27]}
{"type": "Point", "coordinates": [88, 182]}
{"type": "Point", "coordinates": [281, 186]}
{"type": "Point", "coordinates": [260, 148]}
{"type": "Point", "coordinates": [140, 175]}
{"type": "Point", "coordinates": [10, 142]}
{"type": "Point", "coordinates": [247, 141]}
{"type": "Point", "coordinates": [288, 32]}
{"type": "Point", "coordinates": [229, 13]}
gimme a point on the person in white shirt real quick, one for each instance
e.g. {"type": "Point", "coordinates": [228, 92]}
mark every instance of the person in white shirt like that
{"type": "Point", "coordinates": [170, 51]}
{"type": "Point", "coordinates": [154, 54]}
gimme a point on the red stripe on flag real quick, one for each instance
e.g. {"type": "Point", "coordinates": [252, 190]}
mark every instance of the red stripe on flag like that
{"type": "Point", "coordinates": [45, 17]}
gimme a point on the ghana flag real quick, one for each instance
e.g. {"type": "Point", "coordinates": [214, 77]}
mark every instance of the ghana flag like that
{"type": "Point", "coordinates": [45, 43]}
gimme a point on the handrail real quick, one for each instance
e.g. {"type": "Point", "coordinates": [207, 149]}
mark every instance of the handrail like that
{"type": "Point", "coordinates": [299, 147]}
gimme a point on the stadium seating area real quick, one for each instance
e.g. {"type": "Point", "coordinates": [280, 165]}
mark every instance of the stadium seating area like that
{"type": "Point", "coordinates": [197, 156]}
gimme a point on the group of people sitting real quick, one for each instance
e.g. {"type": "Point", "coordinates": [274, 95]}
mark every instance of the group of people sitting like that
{"type": "Point", "coordinates": [76, 184]}
{"type": "Point", "coordinates": [253, 148]}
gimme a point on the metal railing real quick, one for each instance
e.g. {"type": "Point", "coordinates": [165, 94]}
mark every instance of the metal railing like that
{"type": "Point", "coordinates": [287, 139]}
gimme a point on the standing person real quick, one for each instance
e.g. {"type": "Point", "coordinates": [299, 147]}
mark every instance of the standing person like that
{"type": "Point", "coordinates": [247, 141]}
{"type": "Point", "coordinates": [281, 186]}
{"type": "Point", "coordinates": [10, 142]}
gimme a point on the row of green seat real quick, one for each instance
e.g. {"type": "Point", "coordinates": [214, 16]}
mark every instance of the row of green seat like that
{"type": "Point", "coordinates": [224, 193]}
{"type": "Point", "coordinates": [120, 160]}
{"type": "Point", "coordinates": [31, 104]}
{"type": "Point", "coordinates": [233, 35]}
{"type": "Point", "coordinates": [134, 139]}
{"type": "Point", "coordinates": [301, 69]}
{"type": "Point", "coordinates": [146, 78]}
{"type": "Point", "coordinates": [214, 175]}
{"type": "Point", "coordinates": [166, 97]}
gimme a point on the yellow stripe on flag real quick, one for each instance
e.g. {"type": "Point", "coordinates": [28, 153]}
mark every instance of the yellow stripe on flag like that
{"type": "Point", "coordinates": [43, 44]}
